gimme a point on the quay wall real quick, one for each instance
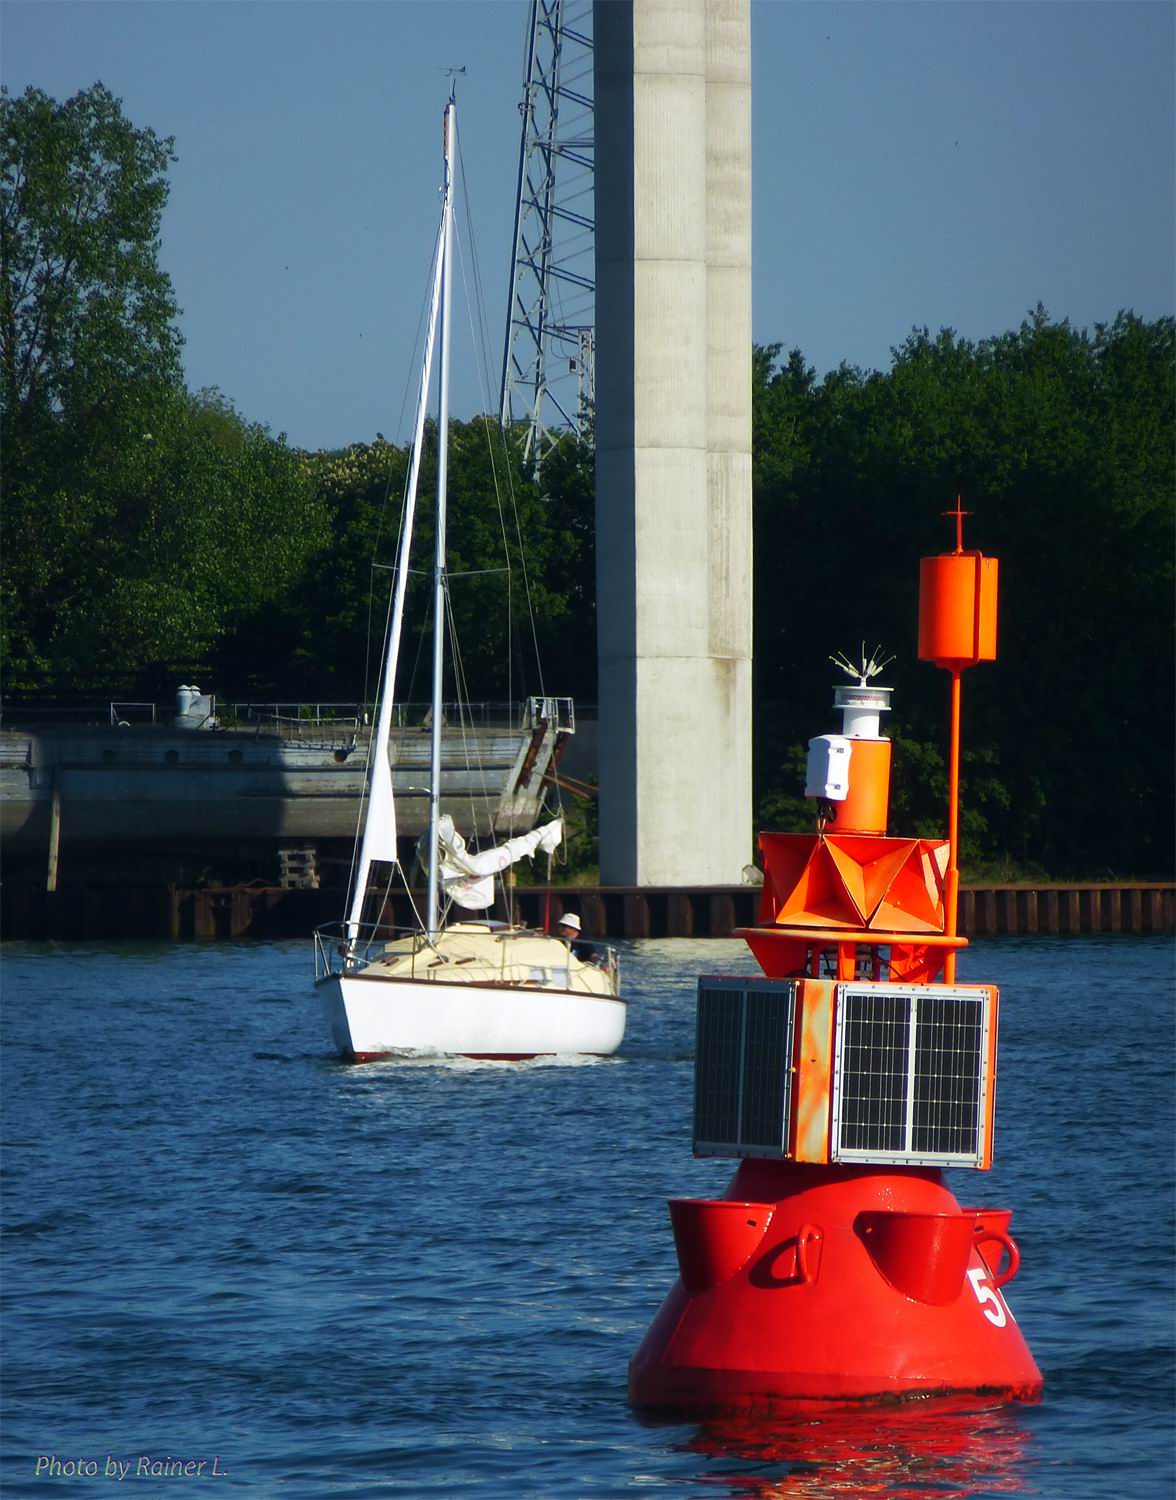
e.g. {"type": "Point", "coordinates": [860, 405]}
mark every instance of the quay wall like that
{"type": "Point", "coordinates": [125, 910]}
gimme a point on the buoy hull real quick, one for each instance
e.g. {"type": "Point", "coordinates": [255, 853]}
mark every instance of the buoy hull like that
{"type": "Point", "coordinates": [865, 1285]}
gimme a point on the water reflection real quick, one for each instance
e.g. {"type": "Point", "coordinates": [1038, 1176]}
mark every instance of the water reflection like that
{"type": "Point", "coordinates": [899, 1452]}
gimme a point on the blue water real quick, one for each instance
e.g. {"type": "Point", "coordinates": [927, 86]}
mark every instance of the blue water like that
{"type": "Point", "coordinates": [427, 1279]}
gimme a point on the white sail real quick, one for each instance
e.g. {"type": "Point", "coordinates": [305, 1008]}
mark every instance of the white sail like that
{"type": "Point", "coordinates": [468, 878]}
{"type": "Point", "coordinates": [379, 829]}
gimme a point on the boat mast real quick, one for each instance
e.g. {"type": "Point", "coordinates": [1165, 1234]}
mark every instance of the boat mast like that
{"type": "Point", "coordinates": [432, 909]}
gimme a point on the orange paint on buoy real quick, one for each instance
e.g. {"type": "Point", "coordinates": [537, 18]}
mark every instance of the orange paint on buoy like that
{"type": "Point", "coordinates": [867, 800]}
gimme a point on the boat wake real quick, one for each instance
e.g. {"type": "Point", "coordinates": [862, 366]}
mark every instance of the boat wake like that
{"type": "Point", "coordinates": [421, 1059]}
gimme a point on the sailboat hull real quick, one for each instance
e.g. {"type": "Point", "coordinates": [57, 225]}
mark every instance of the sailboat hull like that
{"type": "Point", "coordinates": [370, 1017]}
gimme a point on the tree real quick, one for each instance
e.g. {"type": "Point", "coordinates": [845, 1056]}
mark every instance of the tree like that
{"type": "Point", "coordinates": [324, 636]}
{"type": "Point", "coordinates": [89, 357]}
{"type": "Point", "coordinates": [85, 309]}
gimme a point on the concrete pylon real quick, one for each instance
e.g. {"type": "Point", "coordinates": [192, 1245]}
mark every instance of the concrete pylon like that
{"type": "Point", "coordinates": [673, 439]}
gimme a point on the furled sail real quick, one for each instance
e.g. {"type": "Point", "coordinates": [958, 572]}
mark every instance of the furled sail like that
{"type": "Point", "coordinates": [468, 878]}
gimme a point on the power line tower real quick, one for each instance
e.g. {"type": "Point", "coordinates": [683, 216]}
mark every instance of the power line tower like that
{"type": "Point", "coordinates": [548, 364]}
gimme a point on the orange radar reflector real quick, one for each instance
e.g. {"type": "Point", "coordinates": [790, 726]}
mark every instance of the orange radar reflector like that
{"type": "Point", "coordinates": [868, 867]}
{"type": "Point", "coordinates": [819, 897]}
{"type": "Point", "coordinates": [785, 856]}
{"type": "Point", "coordinates": [913, 901]}
{"type": "Point", "coordinates": [802, 885]}
{"type": "Point", "coordinates": [957, 609]}
{"type": "Point", "coordinates": [862, 884]}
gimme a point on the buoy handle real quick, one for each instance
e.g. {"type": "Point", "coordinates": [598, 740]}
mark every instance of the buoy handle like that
{"type": "Point", "coordinates": [1008, 1247]}
{"type": "Point", "coordinates": [808, 1240]}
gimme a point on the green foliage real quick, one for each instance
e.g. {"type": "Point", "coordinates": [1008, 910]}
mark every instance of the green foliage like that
{"type": "Point", "coordinates": [87, 352]}
{"type": "Point", "coordinates": [152, 549]}
{"type": "Point", "coordinates": [324, 636]}
{"type": "Point", "coordinates": [516, 560]}
{"type": "Point", "coordinates": [577, 857]}
{"type": "Point", "coordinates": [566, 621]}
{"type": "Point", "coordinates": [142, 524]}
{"type": "Point", "coordinates": [85, 308]}
{"type": "Point", "coordinates": [499, 549]}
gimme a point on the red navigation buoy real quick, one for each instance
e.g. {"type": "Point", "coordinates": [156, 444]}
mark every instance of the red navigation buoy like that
{"type": "Point", "coordinates": [838, 1266]}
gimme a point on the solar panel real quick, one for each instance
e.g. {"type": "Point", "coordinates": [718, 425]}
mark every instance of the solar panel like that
{"type": "Point", "coordinates": [873, 1071]}
{"type": "Point", "coordinates": [948, 1057]}
{"type": "Point", "coordinates": [718, 1057]}
{"type": "Point", "coordinates": [910, 1073]}
{"type": "Point", "coordinates": [743, 1067]}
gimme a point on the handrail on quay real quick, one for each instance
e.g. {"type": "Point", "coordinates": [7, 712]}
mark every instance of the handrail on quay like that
{"type": "Point", "coordinates": [559, 712]}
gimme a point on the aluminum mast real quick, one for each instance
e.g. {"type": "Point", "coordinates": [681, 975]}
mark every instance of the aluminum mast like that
{"type": "Point", "coordinates": [432, 909]}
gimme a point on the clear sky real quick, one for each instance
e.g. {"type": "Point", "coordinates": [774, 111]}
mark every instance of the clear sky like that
{"type": "Point", "coordinates": [951, 162]}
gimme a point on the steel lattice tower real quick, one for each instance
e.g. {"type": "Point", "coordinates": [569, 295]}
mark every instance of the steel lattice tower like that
{"type": "Point", "coordinates": [548, 365]}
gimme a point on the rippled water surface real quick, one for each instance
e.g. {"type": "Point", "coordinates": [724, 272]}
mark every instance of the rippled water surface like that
{"type": "Point", "coordinates": [428, 1278]}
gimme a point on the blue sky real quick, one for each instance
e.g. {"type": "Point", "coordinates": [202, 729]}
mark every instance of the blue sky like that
{"type": "Point", "coordinates": [914, 163]}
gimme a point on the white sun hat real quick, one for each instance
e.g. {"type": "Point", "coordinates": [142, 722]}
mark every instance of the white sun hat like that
{"type": "Point", "coordinates": [570, 919]}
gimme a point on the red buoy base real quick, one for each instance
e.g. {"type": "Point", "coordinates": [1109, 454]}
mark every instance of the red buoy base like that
{"type": "Point", "coordinates": [811, 1285]}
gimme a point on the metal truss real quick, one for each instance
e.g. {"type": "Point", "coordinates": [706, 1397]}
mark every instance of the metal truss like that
{"type": "Point", "coordinates": [548, 365]}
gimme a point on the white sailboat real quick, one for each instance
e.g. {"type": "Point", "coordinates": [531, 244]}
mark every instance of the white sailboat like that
{"type": "Point", "coordinates": [466, 988]}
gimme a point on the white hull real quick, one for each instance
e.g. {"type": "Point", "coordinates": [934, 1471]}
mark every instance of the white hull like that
{"type": "Point", "coordinates": [370, 1016]}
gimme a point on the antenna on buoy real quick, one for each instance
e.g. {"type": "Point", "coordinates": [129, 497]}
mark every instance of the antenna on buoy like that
{"type": "Point", "coordinates": [869, 666]}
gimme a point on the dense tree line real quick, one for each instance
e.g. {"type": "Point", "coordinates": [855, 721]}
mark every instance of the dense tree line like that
{"type": "Point", "coordinates": [151, 534]}
{"type": "Point", "coordinates": [1061, 445]}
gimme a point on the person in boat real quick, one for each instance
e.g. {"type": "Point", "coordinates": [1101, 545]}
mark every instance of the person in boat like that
{"type": "Point", "coordinates": [569, 930]}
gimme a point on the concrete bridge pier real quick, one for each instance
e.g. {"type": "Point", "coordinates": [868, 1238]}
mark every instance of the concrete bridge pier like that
{"type": "Point", "coordinates": [673, 439]}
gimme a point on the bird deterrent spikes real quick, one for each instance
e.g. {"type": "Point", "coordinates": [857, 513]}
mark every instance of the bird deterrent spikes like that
{"type": "Point", "coordinates": [870, 666]}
